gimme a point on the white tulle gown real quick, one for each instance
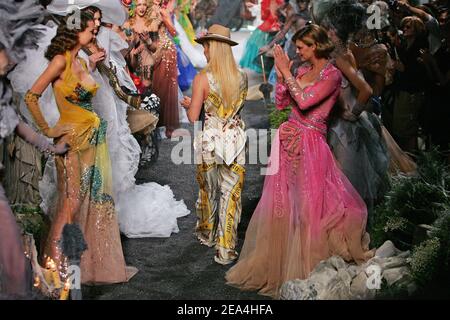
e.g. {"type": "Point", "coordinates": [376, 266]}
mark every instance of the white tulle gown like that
{"type": "Point", "coordinates": [146, 210]}
{"type": "Point", "coordinates": [195, 55]}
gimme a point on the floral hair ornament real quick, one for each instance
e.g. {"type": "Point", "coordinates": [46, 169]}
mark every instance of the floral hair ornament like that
{"type": "Point", "coordinates": [130, 5]}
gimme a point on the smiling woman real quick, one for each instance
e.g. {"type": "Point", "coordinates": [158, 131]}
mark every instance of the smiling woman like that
{"type": "Point", "coordinates": [84, 175]}
{"type": "Point", "coordinates": [308, 210]}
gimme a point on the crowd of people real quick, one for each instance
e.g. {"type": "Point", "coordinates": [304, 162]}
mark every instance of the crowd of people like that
{"type": "Point", "coordinates": [400, 49]}
{"type": "Point", "coordinates": [367, 93]}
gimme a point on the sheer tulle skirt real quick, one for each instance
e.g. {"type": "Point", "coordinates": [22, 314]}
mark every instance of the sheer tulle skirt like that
{"type": "Point", "coordinates": [195, 56]}
{"type": "Point", "coordinates": [257, 39]}
{"type": "Point", "coordinates": [84, 192]}
{"type": "Point", "coordinates": [308, 212]}
{"type": "Point", "coordinates": [399, 160]}
{"type": "Point", "coordinates": [362, 154]}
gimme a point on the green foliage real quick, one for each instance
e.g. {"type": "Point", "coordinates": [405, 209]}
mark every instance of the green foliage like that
{"type": "Point", "coordinates": [395, 292]}
{"type": "Point", "coordinates": [441, 231]}
{"type": "Point", "coordinates": [415, 215]}
{"type": "Point", "coordinates": [277, 117]}
{"type": "Point", "coordinates": [417, 200]}
{"type": "Point", "coordinates": [424, 261]}
{"type": "Point", "coordinates": [412, 201]}
{"type": "Point", "coordinates": [434, 169]}
{"type": "Point", "coordinates": [30, 219]}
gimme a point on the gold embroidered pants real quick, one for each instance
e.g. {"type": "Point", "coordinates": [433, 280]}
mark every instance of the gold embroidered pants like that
{"type": "Point", "coordinates": [217, 220]}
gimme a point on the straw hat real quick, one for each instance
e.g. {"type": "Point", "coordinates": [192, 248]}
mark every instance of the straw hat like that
{"type": "Point", "coordinates": [141, 120]}
{"type": "Point", "coordinates": [218, 33]}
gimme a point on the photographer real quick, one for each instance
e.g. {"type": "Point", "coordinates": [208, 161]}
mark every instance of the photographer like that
{"type": "Point", "coordinates": [424, 14]}
{"type": "Point", "coordinates": [410, 83]}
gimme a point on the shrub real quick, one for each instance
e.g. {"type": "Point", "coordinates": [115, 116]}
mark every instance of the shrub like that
{"type": "Point", "coordinates": [277, 117]}
{"type": "Point", "coordinates": [412, 201]}
{"type": "Point", "coordinates": [32, 221]}
{"type": "Point", "coordinates": [424, 261]}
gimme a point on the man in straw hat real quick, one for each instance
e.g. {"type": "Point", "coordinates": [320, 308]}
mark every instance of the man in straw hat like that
{"type": "Point", "coordinates": [220, 90]}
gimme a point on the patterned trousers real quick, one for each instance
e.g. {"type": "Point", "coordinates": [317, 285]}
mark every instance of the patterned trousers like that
{"type": "Point", "coordinates": [217, 220]}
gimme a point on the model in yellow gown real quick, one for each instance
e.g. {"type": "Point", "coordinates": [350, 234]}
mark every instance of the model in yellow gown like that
{"type": "Point", "coordinates": [84, 181]}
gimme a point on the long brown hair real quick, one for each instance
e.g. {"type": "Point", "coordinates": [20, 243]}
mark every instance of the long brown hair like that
{"type": "Point", "coordinates": [67, 38]}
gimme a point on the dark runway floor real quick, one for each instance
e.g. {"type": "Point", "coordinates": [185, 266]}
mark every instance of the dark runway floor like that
{"type": "Point", "coordinates": [179, 267]}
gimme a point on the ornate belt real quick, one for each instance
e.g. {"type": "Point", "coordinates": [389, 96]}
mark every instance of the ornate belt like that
{"type": "Point", "coordinates": [303, 122]}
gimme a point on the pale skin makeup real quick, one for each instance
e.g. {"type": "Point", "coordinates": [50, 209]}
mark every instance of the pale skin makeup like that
{"type": "Point", "coordinates": [346, 63]}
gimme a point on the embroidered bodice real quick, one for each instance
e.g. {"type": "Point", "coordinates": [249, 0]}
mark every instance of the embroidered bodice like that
{"type": "Point", "coordinates": [314, 102]}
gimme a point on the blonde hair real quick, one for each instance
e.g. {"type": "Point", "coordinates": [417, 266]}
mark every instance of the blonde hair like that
{"type": "Point", "coordinates": [224, 70]}
{"type": "Point", "coordinates": [148, 20]}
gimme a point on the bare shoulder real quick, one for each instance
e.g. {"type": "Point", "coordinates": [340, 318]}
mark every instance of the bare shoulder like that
{"type": "Point", "coordinates": [53, 71]}
{"type": "Point", "coordinates": [345, 61]}
{"type": "Point", "coordinates": [200, 83]}
{"type": "Point", "coordinates": [58, 62]}
{"type": "Point", "coordinates": [201, 78]}
{"type": "Point", "coordinates": [57, 65]}
{"type": "Point", "coordinates": [341, 61]}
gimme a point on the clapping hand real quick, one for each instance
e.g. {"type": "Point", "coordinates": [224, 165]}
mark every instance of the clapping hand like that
{"type": "Point", "coordinates": [145, 37]}
{"type": "Point", "coordinates": [282, 63]}
{"type": "Point", "coordinates": [98, 56]}
{"type": "Point", "coordinates": [349, 116]}
{"type": "Point", "coordinates": [186, 102]}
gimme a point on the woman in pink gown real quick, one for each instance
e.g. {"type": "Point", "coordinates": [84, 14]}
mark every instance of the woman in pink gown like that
{"type": "Point", "coordinates": [308, 211]}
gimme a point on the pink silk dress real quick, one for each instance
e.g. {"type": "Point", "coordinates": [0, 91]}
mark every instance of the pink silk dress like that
{"type": "Point", "coordinates": [308, 210]}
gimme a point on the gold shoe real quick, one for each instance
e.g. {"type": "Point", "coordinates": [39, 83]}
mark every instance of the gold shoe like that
{"type": "Point", "coordinates": [222, 261]}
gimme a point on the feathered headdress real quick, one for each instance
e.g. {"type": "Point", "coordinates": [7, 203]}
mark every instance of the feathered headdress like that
{"type": "Point", "coordinates": [130, 5]}
{"type": "Point", "coordinates": [19, 20]}
{"type": "Point", "coordinates": [18, 31]}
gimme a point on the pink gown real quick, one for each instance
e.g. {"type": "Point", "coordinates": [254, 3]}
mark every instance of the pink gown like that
{"type": "Point", "coordinates": [308, 211]}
